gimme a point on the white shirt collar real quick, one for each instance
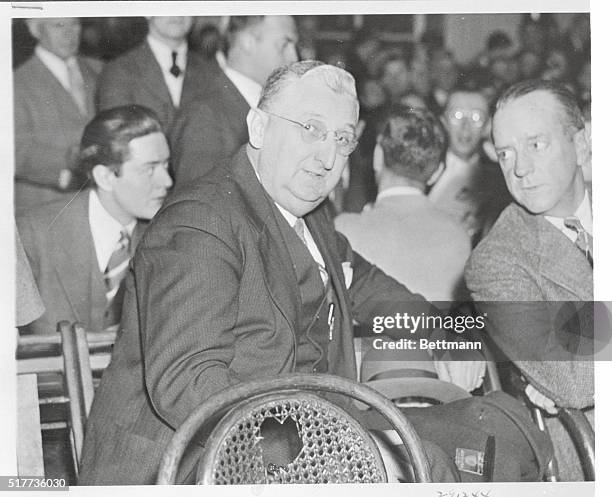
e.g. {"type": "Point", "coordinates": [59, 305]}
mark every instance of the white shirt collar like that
{"type": "Point", "coordinates": [55, 64]}
{"type": "Point", "coordinates": [249, 89]}
{"type": "Point", "coordinates": [163, 54]}
{"type": "Point", "coordinates": [396, 191]}
{"type": "Point", "coordinates": [583, 213]}
{"type": "Point", "coordinates": [105, 230]}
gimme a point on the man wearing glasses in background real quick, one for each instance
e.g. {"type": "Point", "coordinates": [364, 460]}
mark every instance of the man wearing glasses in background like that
{"type": "Point", "coordinates": [471, 189]}
{"type": "Point", "coordinates": [241, 276]}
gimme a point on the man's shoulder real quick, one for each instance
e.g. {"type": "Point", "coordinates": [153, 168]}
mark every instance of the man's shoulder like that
{"type": "Point", "coordinates": [69, 205]}
{"type": "Point", "coordinates": [214, 194]}
{"type": "Point", "coordinates": [208, 68]}
{"type": "Point", "coordinates": [126, 61]}
{"type": "Point", "coordinates": [513, 223]}
{"type": "Point", "coordinates": [47, 220]}
{"type": "Point", "coordinates": [512, 236]}
{"type": "Point", "coordinates": [29, 73]}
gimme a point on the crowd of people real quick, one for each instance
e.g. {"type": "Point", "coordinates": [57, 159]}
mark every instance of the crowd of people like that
{"type": "Point", "coordinates": [189, 191]}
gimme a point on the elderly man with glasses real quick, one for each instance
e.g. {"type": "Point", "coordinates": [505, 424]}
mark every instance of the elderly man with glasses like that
{"type": "Point", "coordinates": [241, 276]}
{"type": "Point", "coordinates": [471, 189]}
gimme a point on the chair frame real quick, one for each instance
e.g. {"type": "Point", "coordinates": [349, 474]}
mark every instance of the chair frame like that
{"type": "Point", "coordinates": [224, 400]}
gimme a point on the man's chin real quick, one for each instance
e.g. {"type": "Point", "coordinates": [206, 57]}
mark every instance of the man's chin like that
{"type": "Point", "coordinates": [300, 207]}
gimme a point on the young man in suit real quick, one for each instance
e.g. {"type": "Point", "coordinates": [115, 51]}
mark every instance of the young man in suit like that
{"type": "Point", "coordinates": [540, 250]}
{"type": "Point", "coordinates": [79, 248]}
{"type": "Point", "coordinates": [54, 100]}
{"type": "Point", "coordinates": [240, 276]}
{"type": "Point", "coordinates": [212, 129]}
{"type": "Point", "coordinates": [161, 73]}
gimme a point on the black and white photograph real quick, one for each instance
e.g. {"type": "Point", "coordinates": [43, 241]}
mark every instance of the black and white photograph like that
{"type": "Point", "coordinates": [261, 243]}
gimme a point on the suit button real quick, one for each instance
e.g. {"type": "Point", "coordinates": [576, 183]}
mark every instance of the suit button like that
{"type": "Point", "coordinates": [314, 370]}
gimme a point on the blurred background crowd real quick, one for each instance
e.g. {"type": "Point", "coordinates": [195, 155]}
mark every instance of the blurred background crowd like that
{"type": "Point", "coordinates": [411, 59]}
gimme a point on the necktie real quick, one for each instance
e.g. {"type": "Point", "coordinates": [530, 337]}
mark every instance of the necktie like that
{"type": "Point", "coordinates": [300, 229]}
{"type": "Point", "coordinates": [175, 70]}
{"type": "Point", "coordinates": [113, 277]}
{"type": "Point", "coordinates": [77, 85]}
{"type": "Point", "coordinates": [584, 241]}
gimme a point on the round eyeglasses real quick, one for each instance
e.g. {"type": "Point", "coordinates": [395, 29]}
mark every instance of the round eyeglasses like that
{"type": "Point", "coordinates": [475, 118]}
{"type": "Point", "coordinates": [313, 131]}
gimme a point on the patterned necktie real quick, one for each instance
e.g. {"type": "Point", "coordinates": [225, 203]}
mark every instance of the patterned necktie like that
{"type": "Point", "coordinates": [300, 229]}
{"type": "Point", "coordinates": [77, 86]}
{"type": "Point", "coordinates": [113, 278]}
{"type": "Point", "coordinates": [584, 241]}
{"type": "Point", "coordinates": [175, 70]}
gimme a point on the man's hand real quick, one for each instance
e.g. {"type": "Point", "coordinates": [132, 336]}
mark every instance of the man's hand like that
{"type": "Point", "coordinates": [540, 400]}
{"type": "Point", "coordinates": [466, 374]}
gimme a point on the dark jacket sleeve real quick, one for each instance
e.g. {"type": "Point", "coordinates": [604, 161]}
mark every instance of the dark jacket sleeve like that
{"type": "Point", "coordinates": [187, 315]}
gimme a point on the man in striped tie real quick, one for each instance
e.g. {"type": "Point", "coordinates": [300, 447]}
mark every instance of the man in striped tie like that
{"type": "Point", "coordinates": [80, 249]}
{"type": "Point", "coordinates": [538, 257]}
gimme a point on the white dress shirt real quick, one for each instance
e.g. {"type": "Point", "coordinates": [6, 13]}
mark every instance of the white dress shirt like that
{"type": "Point", "coordinates": [57, 66]}
{"type": "Point", "coordinates": [584, 215]}
{"type": "Point", "coordinates": [163, 55]}
{"type": "Point", "coordinates": [105, 230]}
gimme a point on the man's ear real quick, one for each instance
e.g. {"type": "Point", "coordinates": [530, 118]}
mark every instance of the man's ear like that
{"type": "Point", "coordinates": [33, 27]}
{"type": "Point", "coordinates": [256, 123]}
{"type": "Point", "coordinates": [582, 145]}
{"type": "Point", "coordinates": [103, 177]}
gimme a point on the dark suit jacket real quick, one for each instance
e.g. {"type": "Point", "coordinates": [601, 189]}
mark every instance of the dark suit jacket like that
{"type": "Point", "coordinates": [214, 301]}
{"type": "Point", "coordinates": [525, 258]}
{"type": "Point", "coordinates": [48, 128]}
{"type": "Point", "coordinates": [209, 132]}
{"type": "Point", "coordinates": [58, 242]}
{"type": "Point", "coordinates": [136, 78]}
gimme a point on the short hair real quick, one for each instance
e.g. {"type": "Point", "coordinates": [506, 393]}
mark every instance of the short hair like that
{"type": "Point", "coordinates": [337, 79]}
{"type": "Point", "coordinates": [471, 80]}
{"type": "Point", "coordinates": [413, 141]}
{"type": "Point", "coordinates": [572, 116]}
{"type": "Point", "coordinates": [107, 137]}
{"type": "Point", "coordinates": [235, 26]}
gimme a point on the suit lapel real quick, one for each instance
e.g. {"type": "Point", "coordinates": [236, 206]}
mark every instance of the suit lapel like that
{"type": "Point", "coordinates": [151, 74]}
{"type": "Point", "coordinates": [324, 236]}
{"type": "Point", "coordinates": [70, 230]}
{"type": "Point", "coordinates": [278, 271]}
{"type": "Point", "coordinates": [198, 75]}
{"type": "Point", "coordinates": [236, 106]}
{"type": "Point", "coordinates": [561, 261]}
